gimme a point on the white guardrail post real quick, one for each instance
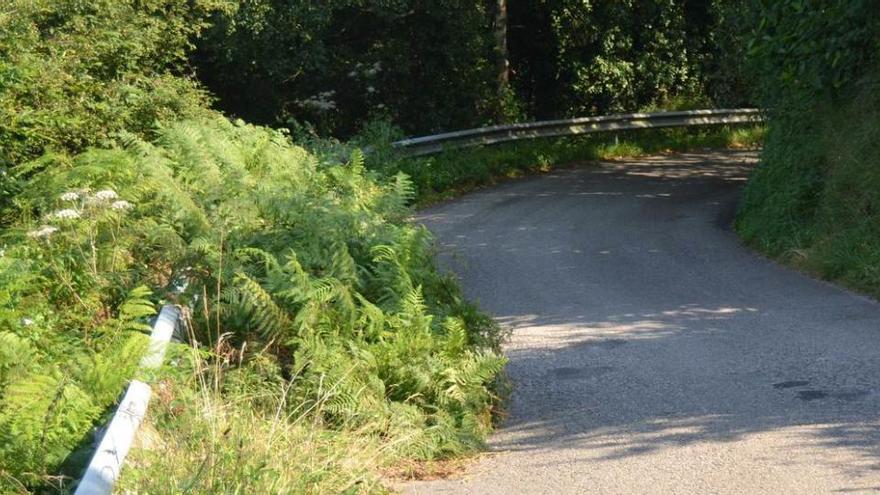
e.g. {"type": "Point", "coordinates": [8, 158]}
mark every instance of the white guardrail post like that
{"type": "Point", "coordinates": [103, 469]}
{"type": "Point", "coordinates": [570, 127]}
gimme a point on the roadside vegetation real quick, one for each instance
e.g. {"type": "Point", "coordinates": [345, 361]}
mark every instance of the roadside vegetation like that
{"type": "Point", "coordinates": [443, 65]}
{"type": "Point", "coordinates": [318, 320]}
{"type": "Point", "coordinates": [453, 172]}
{"type": "Point", "coordinates": [313, 302]}
{"type": "Point", "coordinates": [814, 200]}
{"type": "Point", "coordinates": [206, 154]}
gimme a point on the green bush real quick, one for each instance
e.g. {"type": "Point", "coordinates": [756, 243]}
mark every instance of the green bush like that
{"type": "Point", "coordinates": [433, 66]}
{"type": "Point", "coordinates": [335, 64]}
{"type": "Point", "coordinates": [814, 199]}
{"type": "Point", "coordinates": [63, 356]}
{"type": "Point", "coordinates": [74, 74]}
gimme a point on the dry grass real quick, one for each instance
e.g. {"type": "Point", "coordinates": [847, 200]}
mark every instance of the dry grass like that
{"type": "Point", "coordinates": [410, 470]}
{"type": "Point", "coordinates": [199, 439]}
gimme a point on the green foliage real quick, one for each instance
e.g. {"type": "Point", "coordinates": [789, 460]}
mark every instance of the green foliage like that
{"type": "Point", "coordinates": [320, 323]}
{"type": "Point", "coordinates": [70, 320]}
{"type": "Point", "coordinates": [245, 438]}
{"type": "Point", "coordinates": [623, 55]}
{"type": "Point", "coordinates": [779, 204]}
{"type": "Point", "coordinates": [303, 261]}
{"type": "Point", "coordinates": [814, 199]}
{"type": "Point", "coordinates": [58, 370]}
{"type": "Point", "coordinates": [69, 335]}
{"type": "Point", "coordinates": [430, 66]}
{"type": "Point", "coordinates": [449, 173]}
{"type": "Point", "coordinates": [847, 245]}
{"type": "Point", "coordinates": [810, 48]}
{"type": "Point", "coordinates": [426, 65]}
{"type": "Point", "coordinates": [811, 199]}
{"type": "Point", "coordinates": [74, 74]}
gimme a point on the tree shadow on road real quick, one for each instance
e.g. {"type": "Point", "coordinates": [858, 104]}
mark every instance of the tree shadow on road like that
{"type": "Point", "coordinates": [641, 325]}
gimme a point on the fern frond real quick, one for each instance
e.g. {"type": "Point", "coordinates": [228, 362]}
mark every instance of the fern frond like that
{"type": "Point", "coordinates": [16, 354]}
{"type": "Point", "coordinates": [136, 307]}
{"type": "Point", "coordinates": [456, 337]}
{"type": "Point", "coordinates": [265, 315]}
{"type": "Point", "coordinates": [414, 312]}
{"type": "Point", "coordinates": [356, 161]}
{"type": "Point", "coordinates": [371, 319]}
{"type": "Point", "coordinates": [268, 260]}
{"type": "Point", "coordinates": [342, 265]}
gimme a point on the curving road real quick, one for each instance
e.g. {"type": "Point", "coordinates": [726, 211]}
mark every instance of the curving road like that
{"type": "Point", "coordinates": [651, 352]}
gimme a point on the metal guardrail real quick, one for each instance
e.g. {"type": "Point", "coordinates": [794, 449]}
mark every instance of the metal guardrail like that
{"type": "Point", "coordinates": [106, 462]}
{"type": "Point", "coordinates": [570, 127]}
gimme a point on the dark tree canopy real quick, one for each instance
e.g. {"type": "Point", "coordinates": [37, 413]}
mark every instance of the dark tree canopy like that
{"type": "Point", "coordinates": [432, 66]}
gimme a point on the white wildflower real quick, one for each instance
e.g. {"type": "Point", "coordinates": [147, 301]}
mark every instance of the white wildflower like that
{"type": "Point", "coordinates": [27, 322]}
{"type": "Point", "coordinates": [70, 196]}
{"type": "Point", "coordinates": [352, 74]}
{"type": "Point", "coordinates": [66, 214]}
{"type": "Point", "coordinates": [106, 194]}
{"type": "Point", "coordinates": [121, 205]}
{"type": "Point", "coordinates": [181, 285]}
{"type": "Point", "coordinates": [371, 89]}
{"type": "Point", "coordinates": [44, 231]}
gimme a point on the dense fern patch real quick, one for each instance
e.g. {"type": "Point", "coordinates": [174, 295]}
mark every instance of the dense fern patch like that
{"type": "Point", "coordinates": [301, 263]}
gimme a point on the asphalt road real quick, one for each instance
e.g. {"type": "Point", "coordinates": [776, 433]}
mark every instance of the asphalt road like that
{"type": "Point", "coordinates": [651, 351]}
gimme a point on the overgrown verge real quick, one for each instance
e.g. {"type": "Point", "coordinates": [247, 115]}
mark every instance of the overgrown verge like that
{"type": "Point", "coordinates": [319, 320]}
{"type": "Point", "coordinates": [314, 302]}
{"type": "Point", "coordinates": [74, 74]}
{"type": "Point", "coordinates": [450, 173]}
{"type": "Point", "coordinates": [814, 200]}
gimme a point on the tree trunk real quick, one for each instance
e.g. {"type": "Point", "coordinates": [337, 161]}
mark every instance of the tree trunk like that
{"type": "Point", "coordinates": [502, 64]}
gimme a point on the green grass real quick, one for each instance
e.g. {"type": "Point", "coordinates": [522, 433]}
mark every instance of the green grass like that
{"type": "Point", "coordinates": [211, 430]}
{"type": "Point", "coordinates": [451, 173]}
